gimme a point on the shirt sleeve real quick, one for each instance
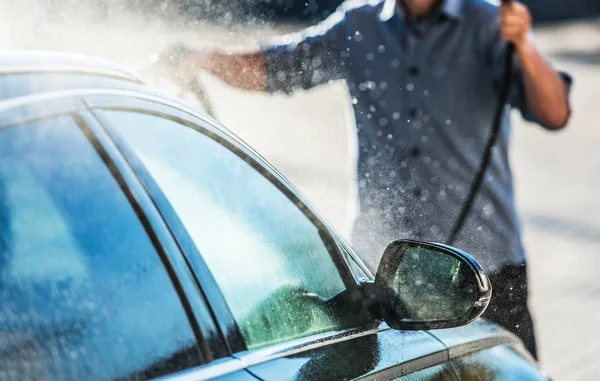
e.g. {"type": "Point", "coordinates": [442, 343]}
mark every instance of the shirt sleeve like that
{"type": "Point", "coordinates": [517, 96]}
{"type": "Point", "coordinates": [307, 58]}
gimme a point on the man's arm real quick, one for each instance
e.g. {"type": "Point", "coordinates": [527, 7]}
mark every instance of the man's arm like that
{"type": "Point", "coordinates": [242, 69]}
{"type": "Point", "coordinates": [544, 88]}
{"type": "Point", "coordinates": [299, 60]}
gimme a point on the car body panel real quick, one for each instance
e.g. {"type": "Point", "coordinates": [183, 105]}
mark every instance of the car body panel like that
{"type": "Point", "coordinates": [381, 353]}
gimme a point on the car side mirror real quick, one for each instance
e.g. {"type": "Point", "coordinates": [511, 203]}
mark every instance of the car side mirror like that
{"type": "Point", "coordinates": [429, 286]}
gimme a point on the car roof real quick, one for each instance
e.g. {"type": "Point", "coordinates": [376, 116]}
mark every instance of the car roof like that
{"type": "Point", "coordinates": [27, 73]}
{"type": "Point", "coordinates": [45, 61]}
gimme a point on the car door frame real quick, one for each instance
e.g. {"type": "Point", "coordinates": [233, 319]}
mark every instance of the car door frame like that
{"type": "Point", "coordinates": [23, 110]}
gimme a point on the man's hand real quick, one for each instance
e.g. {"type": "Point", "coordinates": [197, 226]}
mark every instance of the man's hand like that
{"type": "Point", "coordinates": [544, 88]}
{"type": "Point", "coordinates": [515, 23]}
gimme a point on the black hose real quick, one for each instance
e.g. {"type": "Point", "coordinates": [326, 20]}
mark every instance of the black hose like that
{"type": "Point", "coordinates": [489, 148]}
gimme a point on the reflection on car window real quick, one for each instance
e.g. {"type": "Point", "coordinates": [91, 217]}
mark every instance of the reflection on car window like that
{"type": "Point", "coordinates": [82, 290]}
{"type": "Point", "coordinates": [268, 258]}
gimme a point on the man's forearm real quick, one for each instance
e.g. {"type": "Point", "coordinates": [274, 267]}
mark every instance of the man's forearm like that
{"type": "Point", "coordinates": [544, 88]}
{"type": "Point", "coordinates": [244, 70]}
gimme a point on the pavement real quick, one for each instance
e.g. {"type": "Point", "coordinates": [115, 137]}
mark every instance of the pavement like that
{"type": "Point", "coordinates": [309, 137]}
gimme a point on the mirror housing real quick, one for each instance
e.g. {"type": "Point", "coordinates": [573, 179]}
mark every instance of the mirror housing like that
{"type": "Point", "coordinates": [429, 286]}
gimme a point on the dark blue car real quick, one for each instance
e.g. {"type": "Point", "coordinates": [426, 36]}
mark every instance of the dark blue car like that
{"type": "Point", "coordinates": [140, 240]}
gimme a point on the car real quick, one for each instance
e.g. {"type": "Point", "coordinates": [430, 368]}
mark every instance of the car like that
{"type": "Point", "coordinates": [140, 239]}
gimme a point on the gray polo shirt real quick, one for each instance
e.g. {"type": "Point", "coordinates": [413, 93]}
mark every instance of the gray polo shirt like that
{"type": "Point", "coordinates": [424, 94]}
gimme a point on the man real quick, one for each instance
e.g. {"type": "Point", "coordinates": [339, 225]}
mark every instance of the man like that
{"type": "Point", "coordinates": [423, 77]}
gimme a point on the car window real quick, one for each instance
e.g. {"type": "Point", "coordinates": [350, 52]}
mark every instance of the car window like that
{"type": "Point", "coordinates": [268, 258]}
{"type": "Point", "coordinates": [83, 292]}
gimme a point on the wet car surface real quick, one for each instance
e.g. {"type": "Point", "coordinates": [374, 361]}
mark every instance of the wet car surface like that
{"type": "Point", "coordinates": [141, 239]}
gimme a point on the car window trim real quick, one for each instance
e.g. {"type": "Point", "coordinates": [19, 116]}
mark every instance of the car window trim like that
{"type": "Point", "coordinates": [69, 105]}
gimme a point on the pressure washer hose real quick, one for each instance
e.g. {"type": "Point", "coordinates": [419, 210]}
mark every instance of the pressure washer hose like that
{"type": "Point", "coordinates": [489, 148]}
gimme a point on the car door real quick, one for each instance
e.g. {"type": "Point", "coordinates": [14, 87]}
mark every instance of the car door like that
{"type": "Point", "coordinates": [92, 284]}
{"type": "Point", "coordinates": [280, 284]}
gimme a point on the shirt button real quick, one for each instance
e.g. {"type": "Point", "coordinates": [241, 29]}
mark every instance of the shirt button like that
{"type": "Point", "coordinates": [413, 70]}
{"type": "Point", "coordinates": [415, 152]}
{"type": "Point", "coordinates": [415, 113]}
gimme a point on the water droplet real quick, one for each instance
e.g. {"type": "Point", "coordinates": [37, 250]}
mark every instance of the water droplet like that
{"type": "Point", "coordinates": [383, 122]}
{"type": "Point", "coordinates": [410, 87]}
{"type": "Point", "coordinates": [381, 49]}
{"type": "Point", "coordinates": [396, 115]}
{"type": "Point", "coordinates": [395, 63]}
{"type": "Point", "coordinates": [383, 85]}
{"type": "Point", "coordinates": [370, 56]}
{"type": "Point", "coordinates": [390, 136]}
{"type": "Point", "coordinates": [354, 100]}
{"type": "Point", "coordinates": [488, 210]}
{"type": "Point", "coordinates": [448, 122]}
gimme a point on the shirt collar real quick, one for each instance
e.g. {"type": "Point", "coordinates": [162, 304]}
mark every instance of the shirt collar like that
{"type": "Point", "coordinates": [391, 8]}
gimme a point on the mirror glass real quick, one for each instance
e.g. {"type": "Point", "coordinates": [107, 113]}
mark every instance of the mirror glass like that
{"type": "Point", "coordinates": [430, 285]}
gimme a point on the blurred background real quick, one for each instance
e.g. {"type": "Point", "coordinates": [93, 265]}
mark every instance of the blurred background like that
{"type": "Point", "coordinates": [557, 174]}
